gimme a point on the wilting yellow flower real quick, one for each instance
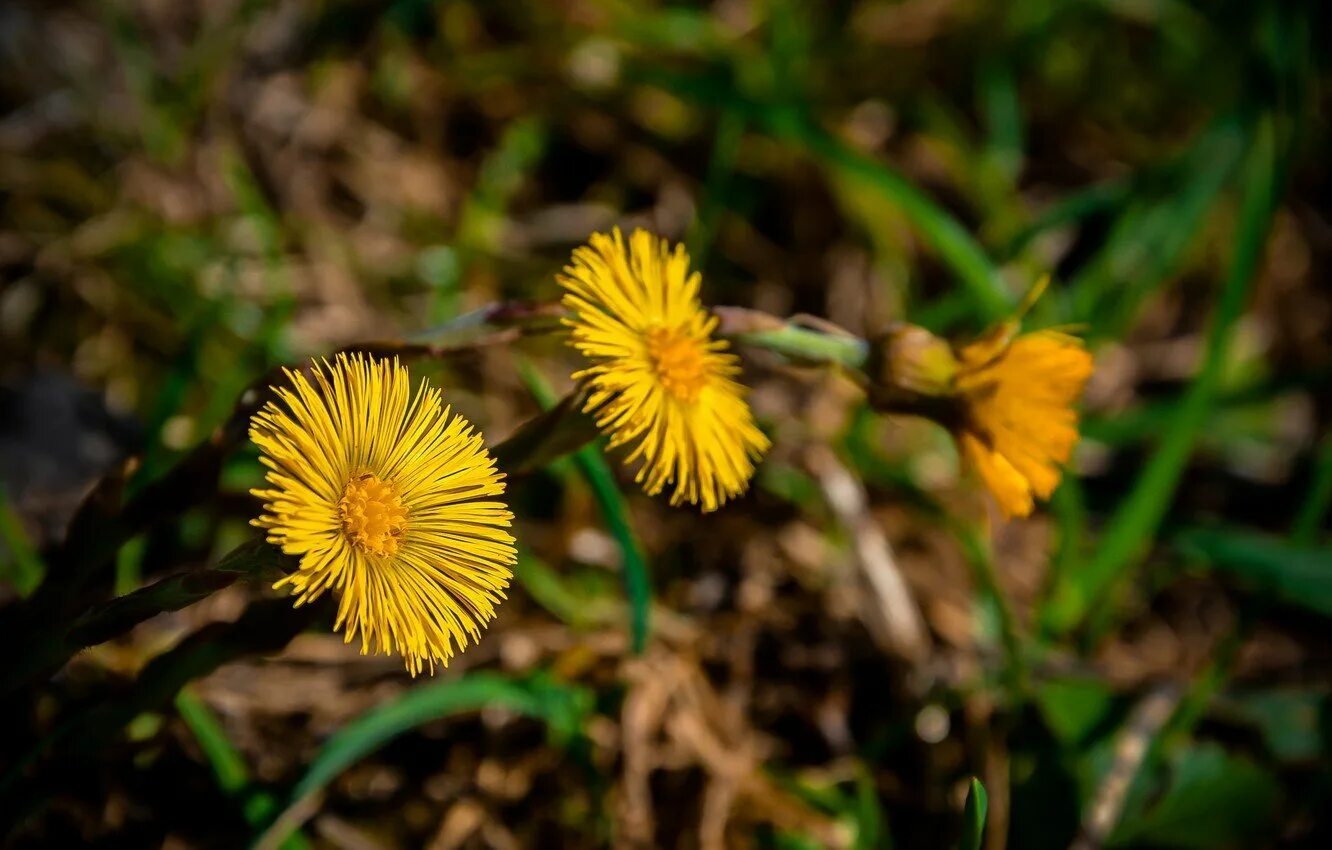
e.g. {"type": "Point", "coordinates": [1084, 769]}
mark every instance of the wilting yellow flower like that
{"type": "Point", "coordinates": [386, 499]}
{"type": "Point", "coordinates": [1007, 397]}
{"type": "Point", "coordinates": [1018, 424]}
{"type": "Point", "coordinates": [658, 379]}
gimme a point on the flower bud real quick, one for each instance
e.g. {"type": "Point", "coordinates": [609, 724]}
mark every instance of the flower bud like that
{"type": "Point", "coordinates": [909, 365]}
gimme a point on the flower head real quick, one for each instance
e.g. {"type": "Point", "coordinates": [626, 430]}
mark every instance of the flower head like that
{"type": "Point", "coordinates": [389, 500]}
{"type": "Point", "coordinates": [1020, 426]}
{"type": "Point", "coordinates": [657, 379]}
{"type": "Point", "coordinates": [1018, 423]}
{"type": "Point", "coordinates": [1007, 397]}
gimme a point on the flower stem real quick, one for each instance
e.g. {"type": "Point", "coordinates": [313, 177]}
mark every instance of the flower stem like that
{"type": "Point", "coordinates": [786, 337]}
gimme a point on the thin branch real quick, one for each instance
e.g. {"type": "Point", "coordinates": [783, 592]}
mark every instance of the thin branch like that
{"type": "Point", "coordinates": [1132, 746]}
{"type": "Point", "coordinates": [896, 615]}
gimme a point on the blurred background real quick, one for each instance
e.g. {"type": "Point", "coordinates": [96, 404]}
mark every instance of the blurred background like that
{"type": "Point", "coordinates": [194, 192]}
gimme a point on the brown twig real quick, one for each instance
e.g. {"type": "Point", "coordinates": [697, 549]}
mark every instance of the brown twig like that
{"type": "Point", "coordinates": [1146, 721]}
{"type": "Point", "coordinates": [892, 612]}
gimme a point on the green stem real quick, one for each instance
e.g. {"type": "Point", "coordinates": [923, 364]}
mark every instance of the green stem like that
{"type": "Point", "coordinates": [597, 472]}
{"type": "Point", "coordinates": [498, 322]}
{"type": "Point", "coordinates": [809, 346]}
{"type": "Point", "coordinates": [502, 321]}
{"type": "Point", "coordinates": [758, 329]}
{"type": "Point", "coordinates": [979, 558]}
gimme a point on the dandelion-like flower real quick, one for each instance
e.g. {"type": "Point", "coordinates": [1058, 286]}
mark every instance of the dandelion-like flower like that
{"type": "Point", "coordinates": [1019, 425]}
{"type": "Point", "coordinates": [657, 379]}
{"type": "Point", "coordinates": [389, 500]}
{"type": "Point", "coordinates": [1007, 397]}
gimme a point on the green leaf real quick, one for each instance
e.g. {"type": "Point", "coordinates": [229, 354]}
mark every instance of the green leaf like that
{"type": "Point", "coordinates": [1288, 720]}
{"type": "Point", "coordinates": [1072, 708]}
{"type": "Point", "coordinates": [1294, 575]}
{"type": "Point", "coordinates": [266, 627]}
{"type": "Point", "coordinates": [1214, 800]}
{"type": "Point", "coordinates": [49, 648]}
{"type": "Point", "coordinates": [973, 817]}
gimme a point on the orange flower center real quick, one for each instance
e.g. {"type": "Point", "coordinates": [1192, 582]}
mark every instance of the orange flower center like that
{"type": "Point", "coordinates": [678, 360]}
{"type": "Point", "coordinates": [373, 517]}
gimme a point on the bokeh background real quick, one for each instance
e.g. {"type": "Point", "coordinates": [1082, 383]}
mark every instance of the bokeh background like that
{"type": "Point", "coordinates": [194, 192]}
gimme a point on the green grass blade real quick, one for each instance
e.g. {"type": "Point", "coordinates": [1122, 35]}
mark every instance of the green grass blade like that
{"type": "Point", "coordinates": [716, 185]}
{"type": "Point", "coordinates": [20, 565]}
{"type": "Point", "coordinates": [871, 831]}
{"type": "Point", "coordinates": [954, 245]}
{"type": "Point", "coordinates": [1313, 511]}
{"type": "Point", "coordinates": [1287, 572]}
{"type": "Point", "coordinates": [1096, 199]}
{"type": "Point", "coordinates": [545, 586]}
{"type": "Point", "coordinates": [228, 765]}
{"type": "Point", "coordinates": [1148, 240]}
{"type": "Point", "coordinates": [976, 550]}
{"type": "Point", "coordinates": [1002, 108]}
{"type": "Point", "coordinates": [561, 706]}
{"type": "Point", "coordinates": [637, 583]}
{"type": "Point", "coordinates": [1129, 533]}
{"type": "Point", "coordinates": [973, 817]}
{"type": "Point", "coordinates": [591, 462]}
{"type": "Point", "coordinates": [552, 703]}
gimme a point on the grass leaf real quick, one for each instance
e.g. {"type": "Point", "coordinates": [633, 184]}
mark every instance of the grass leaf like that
{"type": "Point", "coordinates": [1287, 572]}
{"type": "Point", "coordinates": [1129, 534]}
{"type": "Point", "coordinates": [561, 706]}
{"type": "Point", "coordinates": [597, 472]}
{"type": "Point", "coordinates": [973, 817]}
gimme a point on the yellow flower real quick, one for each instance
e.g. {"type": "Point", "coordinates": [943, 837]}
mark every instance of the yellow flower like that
{"type": "Point", "coordinates": [385, 498]}
{"type": "Point", "coordinates": [1018, 424]}
{"type": "Point", "coordinates": [658, 379]}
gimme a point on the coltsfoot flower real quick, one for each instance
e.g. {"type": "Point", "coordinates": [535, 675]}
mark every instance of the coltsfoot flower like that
{"type": "Point", "coordinates": [658, 381]}
{"type": "Point", "coordinates": [1019, 426]}
{"type": "Point", "coordinates": [1007, 397]}
{"type": "Point", "coordinates": [388, 500]}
